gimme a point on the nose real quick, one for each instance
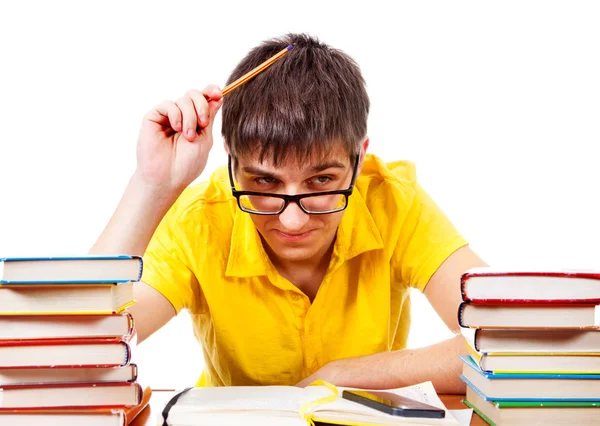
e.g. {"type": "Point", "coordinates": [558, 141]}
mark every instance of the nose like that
{"type": "Point", "coordinates": [293, 218]}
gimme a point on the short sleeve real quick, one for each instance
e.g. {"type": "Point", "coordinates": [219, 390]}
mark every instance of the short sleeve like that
{"type": "Point", "coordinates": [426, 240]}
{"type": "Point", "coordinates": [165, 265]}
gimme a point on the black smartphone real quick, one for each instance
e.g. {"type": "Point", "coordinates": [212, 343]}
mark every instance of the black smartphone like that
{"type": "Point", "coordinates": [393, 404]}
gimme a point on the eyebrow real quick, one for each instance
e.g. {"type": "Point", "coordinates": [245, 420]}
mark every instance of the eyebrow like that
{"type": "Point", "coordinates": [328, 165]}
{"type": "Point", "coordinates": [316, 169]}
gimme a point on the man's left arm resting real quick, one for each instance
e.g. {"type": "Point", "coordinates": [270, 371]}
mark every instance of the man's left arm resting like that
{"type": "Point", "coordinates": [438, 363]}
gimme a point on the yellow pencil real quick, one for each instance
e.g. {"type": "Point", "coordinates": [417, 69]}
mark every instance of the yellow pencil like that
{"type": "Point", "coordinates": [256, 70]}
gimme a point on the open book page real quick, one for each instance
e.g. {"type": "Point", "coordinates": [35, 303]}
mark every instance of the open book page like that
{"type": "Point", "coordinates": [260, 405]}
{"type": "Point", "coordinates": [280, 405]}
{"type": "Point", "coordinates": [348, 412]}
{"type": "Point", "coordinates": [251, 398]}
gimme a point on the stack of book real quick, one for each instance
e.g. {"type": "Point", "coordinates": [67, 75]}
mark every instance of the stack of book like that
{"type": "Point", "coordinates": [533, 340]}
{"type": "Point", "coordinates": [66, 341]}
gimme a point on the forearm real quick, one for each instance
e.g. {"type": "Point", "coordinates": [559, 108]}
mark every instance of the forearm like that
{"type": "Point", "coordinates": [133, 223]}
{"type": "Point", "coordinates": [437, 363]}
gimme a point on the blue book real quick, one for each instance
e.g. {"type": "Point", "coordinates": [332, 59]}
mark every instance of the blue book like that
{"type": "Point", "coordinates": [70, 270]}
{"type": "Point", "coordinates": [530, 387]}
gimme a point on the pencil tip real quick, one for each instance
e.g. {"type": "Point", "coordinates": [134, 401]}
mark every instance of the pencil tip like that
{"type": "Point", "coordinates": [290, 47]}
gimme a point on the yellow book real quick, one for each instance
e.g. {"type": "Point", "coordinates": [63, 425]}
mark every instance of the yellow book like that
{"type": "Point", "coordinates": [536, 362]}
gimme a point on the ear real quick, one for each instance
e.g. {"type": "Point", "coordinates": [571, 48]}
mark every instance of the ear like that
{"type": "Point", "coordinates": [226, 147]}
{"type": "Point", "coordinates": [363, 152]}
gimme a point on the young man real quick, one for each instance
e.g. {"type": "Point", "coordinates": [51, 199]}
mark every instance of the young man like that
{"type": "Point", "coordinates": [286, 281]}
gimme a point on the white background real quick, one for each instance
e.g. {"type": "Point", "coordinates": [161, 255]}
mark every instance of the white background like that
{"type": "Point", "coordinates": [497, 103]}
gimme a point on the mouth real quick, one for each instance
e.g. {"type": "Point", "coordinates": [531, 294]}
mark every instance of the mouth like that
{"type": "Point", "coordinates": [293, 237]}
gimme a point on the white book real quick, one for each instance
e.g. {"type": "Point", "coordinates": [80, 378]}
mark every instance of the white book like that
{"type": "Point", "coordinates": [33, 376]}
{"type": "Point", "coordinates": [76, 269]}
{"type": "Point", "coordinates": [65, 299]}
{"type": "Point", "coordinates": [282, 406]}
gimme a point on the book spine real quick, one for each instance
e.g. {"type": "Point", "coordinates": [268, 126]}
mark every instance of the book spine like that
{"type": "Point", "coordinates": [476, 337]}
{"type": "Point", "coordinates": [478, 412]}
{"type": "Point", "coordinates": [463, 287]}
{"type": "Point", "coordinates": [171, 404]}
{"type": "Point", "coordinates": [130, 324]}
{"type": "Point", "coordinates": [461, 309]}
{"type": "Point", "coordinates": [127, 351]}
{"type": "Point", "coordinates": [141, 268]}
{"type": "Point", "coordinates": [135, 372]}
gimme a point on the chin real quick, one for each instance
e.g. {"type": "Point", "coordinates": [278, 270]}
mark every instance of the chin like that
{"type": "Point", "coordinates": [293, 254]}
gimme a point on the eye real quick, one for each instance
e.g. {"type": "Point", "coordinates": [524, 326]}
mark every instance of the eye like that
{"type": "Point", "coordinates": [264, 180]}
{"type": "Point", "coordinates": [321, 180]}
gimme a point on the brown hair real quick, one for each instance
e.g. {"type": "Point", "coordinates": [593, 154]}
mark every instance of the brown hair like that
{"type": "Point", "coordinates": [312, 97]}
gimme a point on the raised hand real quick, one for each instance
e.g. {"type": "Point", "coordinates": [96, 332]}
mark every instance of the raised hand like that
{"type": "Point", "coordinates": [175, 139]}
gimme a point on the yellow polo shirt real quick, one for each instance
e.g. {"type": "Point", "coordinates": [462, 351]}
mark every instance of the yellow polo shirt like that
{"type": "Point", "coordinates": [255, 327]}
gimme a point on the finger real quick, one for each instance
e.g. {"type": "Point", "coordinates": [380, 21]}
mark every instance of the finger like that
{"type": "Point", "coordinates": [213, 108]}
{"type": "Point", "coordinates": [189, 117]}
{"type": "Point", "coordinates": [201, 107]}
{"type": "Point", "coordinates": [215, 96]}
{"type": "Point", "coordinates": [166, 114]}
{"type": "Point", "coordinates": [212, 92]}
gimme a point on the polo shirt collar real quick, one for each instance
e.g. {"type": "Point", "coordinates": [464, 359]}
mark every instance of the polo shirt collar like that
{"type": "Point", "coordinates": [247, 257]}
{"type": "Point", "coordinates": [357, 234]}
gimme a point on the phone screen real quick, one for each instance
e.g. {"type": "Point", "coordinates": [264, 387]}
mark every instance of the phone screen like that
{"type": "Point", "coordinates": [393, 404]}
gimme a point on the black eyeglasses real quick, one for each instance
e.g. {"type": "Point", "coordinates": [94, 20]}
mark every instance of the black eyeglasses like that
{"type": "Point", "coordinates": [311, 203]}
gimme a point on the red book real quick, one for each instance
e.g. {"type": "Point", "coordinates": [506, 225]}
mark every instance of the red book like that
{"type": "Point", "coordinates": [531, 316]}
{"type": "Point", "coordinates": [88, 352]}
{"type": "Point", "coordinates": [503, 286]}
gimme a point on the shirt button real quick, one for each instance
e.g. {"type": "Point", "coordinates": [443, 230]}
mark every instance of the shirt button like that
{"type": "Point", "coordinates": [295, 296]}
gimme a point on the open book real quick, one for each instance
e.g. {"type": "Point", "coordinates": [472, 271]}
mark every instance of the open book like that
{"type": "Point", "coordinates": [288, 406]}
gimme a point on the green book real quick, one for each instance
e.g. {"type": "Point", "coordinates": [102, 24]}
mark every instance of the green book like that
{"type": "Point", "coordinates": [522, 404]}
{"type": "Point", "coordinates": [478, 412]}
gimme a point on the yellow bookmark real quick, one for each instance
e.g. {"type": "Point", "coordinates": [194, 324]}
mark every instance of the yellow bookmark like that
{"type": "Point", "coordinates": [330, 398]}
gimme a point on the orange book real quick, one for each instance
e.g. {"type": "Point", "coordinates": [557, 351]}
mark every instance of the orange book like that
{"type": "Point", "coordinates": [71, 395]}
{"type": "Point", "coordinates": [76, 417]}
{"type": "Point", "coordinates": [132, 412]}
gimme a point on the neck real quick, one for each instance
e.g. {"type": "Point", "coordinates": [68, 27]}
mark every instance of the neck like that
{"type": "Point", "coordinates": [306, 274]}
